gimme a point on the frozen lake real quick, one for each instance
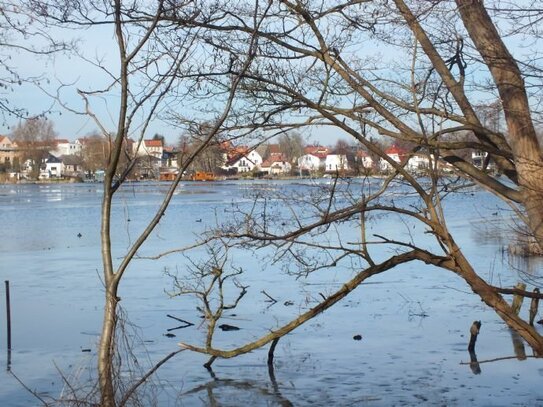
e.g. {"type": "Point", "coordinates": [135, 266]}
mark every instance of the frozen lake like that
{"type": "Point", "coordinates": [414, 320]}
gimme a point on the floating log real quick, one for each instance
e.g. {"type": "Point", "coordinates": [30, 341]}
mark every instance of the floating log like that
{"type": "Point", "coordinates": [270, 298]}
{"type": "Point", "coordinates": [226, 327]}
{"type": "Point", "coordinates": [186, 324]}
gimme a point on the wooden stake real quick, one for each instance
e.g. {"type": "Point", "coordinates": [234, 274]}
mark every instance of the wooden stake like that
{"type": "Point", "coordinates": [534, 305]}
{"type": "Point", "coordinates": [518, 299]}
{"type": "Point", "coordinates": [8, 322]}
{"type": "Point", "coordinates": [474, 331]}
{"type": "Point", "coordinates": [271, 351]}
{"type": "Point", "coordinates": [208, 364]}
{"type": "Point", "coordinates": [474, 363]}
{"type": "Point", "coordinates": [271, 370]}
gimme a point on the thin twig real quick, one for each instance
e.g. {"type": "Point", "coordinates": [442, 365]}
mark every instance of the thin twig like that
{"type": "Point", "coordinates": [498, 359]}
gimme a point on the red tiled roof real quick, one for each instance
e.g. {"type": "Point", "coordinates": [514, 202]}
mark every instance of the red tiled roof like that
{"type": "Point", "coordinates": [395, 150]}
{"type": "Point", "coordinates": [237, 152]}
{"type": "Point", "coordinates": [153, 143]}
{"type": "Point", "coordinates": [317, 151]}
{"type": "Point", "coordinates": [271, 161]}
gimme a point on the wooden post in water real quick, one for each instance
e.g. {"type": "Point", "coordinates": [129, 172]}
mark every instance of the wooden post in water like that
{"type": "Point", "coordinates": [533, 307]}
{"type": "Point", "coordinates": [8, 324]}
{"type": "Point", "coordinates": [517, 299]}
{"type": "Point", "coordinates": [474, 331]}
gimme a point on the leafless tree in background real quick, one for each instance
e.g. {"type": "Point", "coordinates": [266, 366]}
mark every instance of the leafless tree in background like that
{"type": "Point", "coordinates": [35, 137]}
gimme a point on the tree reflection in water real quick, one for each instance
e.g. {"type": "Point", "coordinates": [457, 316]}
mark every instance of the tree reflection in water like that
{"type": "Point", "coordinates": [253, 391]}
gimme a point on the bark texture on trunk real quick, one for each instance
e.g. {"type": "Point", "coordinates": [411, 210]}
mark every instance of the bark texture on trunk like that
{"type": "Point", "coordinates": [510, 84]}
{"type": "Point", "coordinates": [106, 352]}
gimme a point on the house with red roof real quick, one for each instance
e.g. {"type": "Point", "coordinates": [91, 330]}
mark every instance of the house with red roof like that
{"type": "Point", "coordinates": [242, 159]}
{"type": "Point", "coordinates": [275, 161]}
{"type": "Point", "coordinates": [150, 148]}
{"type": "Point", "coordinates": [317, 151]}
{"type": "Point", "coordinates": [395, 154]}
{"type": "Point", "coordinates": [314, 158]}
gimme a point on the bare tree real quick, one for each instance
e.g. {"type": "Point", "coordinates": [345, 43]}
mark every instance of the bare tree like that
{"type": "Point", "coordinates": [211, 157]}
{"type": "Point", "coordinates": [157, 46]}
{"type": "Point", "coordinates": [341, 147]}
{"type": "Point", "coordinates": [292, 144]}
{"type": "Point", "coordinates": [95, 152]}
{"type": "Point", "coordinates": [307, 75]}
{"type": "Point", "coordinates": [35, 138]}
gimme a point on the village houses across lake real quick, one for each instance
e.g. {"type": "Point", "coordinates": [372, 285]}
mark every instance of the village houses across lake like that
{"type": "Point", "coordinates": [85, 159]}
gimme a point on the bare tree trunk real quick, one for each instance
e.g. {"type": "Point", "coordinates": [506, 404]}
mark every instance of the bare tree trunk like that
{"type": "Point", "coordinates": [107, 339]}
{"type": "Point", "coordinates": [106, 351]}
{"type": "Point", "coordinates": [521, 131]}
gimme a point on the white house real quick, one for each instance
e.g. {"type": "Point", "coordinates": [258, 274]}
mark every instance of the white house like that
{"type": "Point", "coordinates": [418, 162]}
{"type": "Point", "coordinates": [309, 162]}
{"type": "Point", "coordinates": [363, 159]}
{"type": "Point", "coordinates": [51, 168]}
{"type": "Point", "coordinates": [395, 154]}
{"type": "Point", "coordinates": [153, 148]}
{"type": "Point", "coordinates": [80, 142]}
{"type": "Point", "coordinates": [336, 162]}
{"type": "Point", "coordinates": [244, 162]}
{"type": "Point", "coordinates": [275, 167]}
{"type": "Point", "coordinates": [66, 147]}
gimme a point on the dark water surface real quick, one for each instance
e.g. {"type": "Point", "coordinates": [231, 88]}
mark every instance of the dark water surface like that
{"type": "Point", "coordinates": [414, 320]}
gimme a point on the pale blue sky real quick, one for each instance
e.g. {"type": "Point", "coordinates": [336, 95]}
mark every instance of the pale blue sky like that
{"type": "Point", "coordinates": [63, 75]}
{"type": "Point", "coordinates": [99, 42]}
